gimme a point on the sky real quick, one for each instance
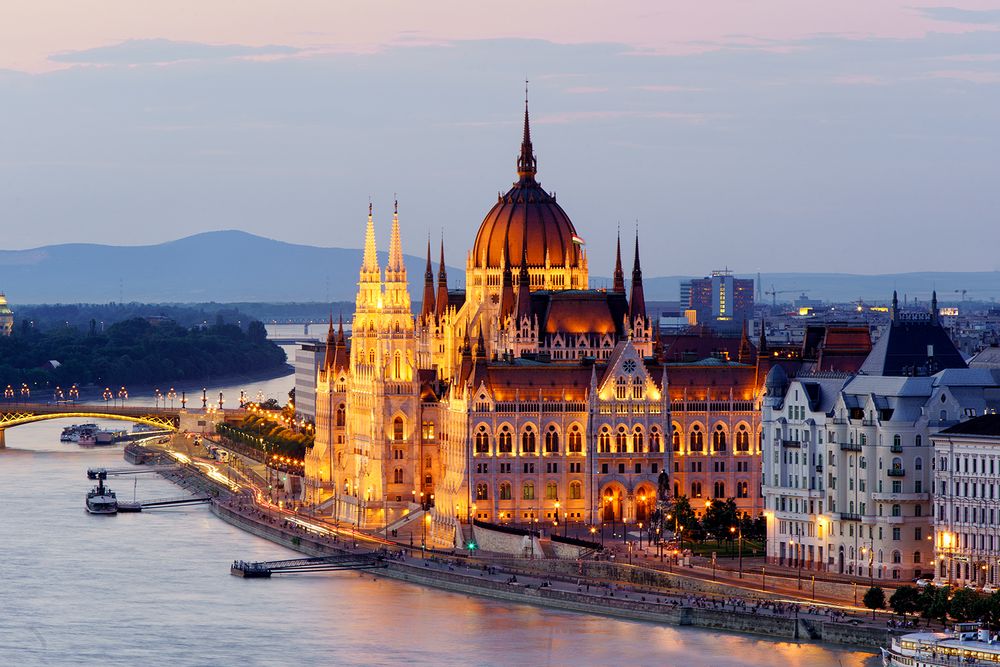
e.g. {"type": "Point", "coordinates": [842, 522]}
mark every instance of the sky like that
{"type": "Point", "coordinates": [773, 135]}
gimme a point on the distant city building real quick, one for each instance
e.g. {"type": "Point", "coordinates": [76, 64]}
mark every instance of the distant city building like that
{"type": "Point", "coordinates": [847, 459]}
{"type": "Point", "coordinates": [966, 492]}
{"type": "Point", "coordinates": [6, 317]}
{"type": "Point", "coordinates": [720, 300]}
{"type": "Point", "coordinates": [307, 362]}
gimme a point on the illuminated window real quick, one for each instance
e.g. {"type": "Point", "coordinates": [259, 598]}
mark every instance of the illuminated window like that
{"type": "Point", "coordinates": [551, 441]}
{"type": "Point", "coordinates": [505, 441]}
{"type": "Point", "coordinates": [575, 440]}
{"type": "Point", "coordinates": [505, 491]}
{"type": "Point", "coordinates": [528, 441]}
{"type": "Point", "coordinates": [482, 440]}
{"type": "Point", "coordinates": [528, 491]}
{"type": "Point", "coordinates": [482, 491]}
{"type": "Point", "coordinates": [575, 490]}
{"type": "Point", "coordinates": [604, 440]}
{"type": "Point", "coordinates": [696, 442]}
{"type": "Point", "coordinates": [428, 431]}
{"type": "Point", "coordinates": [551, 491]}
{"type": "Point", "coordinates": [397, 428]}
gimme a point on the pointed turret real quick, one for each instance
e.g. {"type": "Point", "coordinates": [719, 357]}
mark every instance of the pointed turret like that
{"type": "Point", "coordinates": [637, 302]}
{"type": "Point", "coordinates": [619, 284]}
{"type": "Point", "coordinates": [370, 262]}
{"type": "Point", "coordinates": [480, 352]}
{"type": "Point", "coordinates": [745, 353]}
{"type": "Point", "coordinates": [527, 166]}
{"type": "Point", "coordinates": [523, 285]}
{"type": "Point", "coordinates": [507, 291]}
{"type": "Point", "coordinates": [336, 348]}
{"type": "Point", "coordinates": [395, 265]}
{"type": "Point", "coordinates": [442, 296]}
{"type": "Point", "coordinates": [331, 343]}
{"type": "Point", "coordinates": [934, 307]}
{"type": "Point", "coordinates": [427, 308]}
{"type": "Point", "coordinates": [762, 340]}
{"type": "Point", "coordinates": [894, 308]}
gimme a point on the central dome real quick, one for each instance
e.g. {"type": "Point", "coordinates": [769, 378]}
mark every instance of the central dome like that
{"type": "Point", "coordinates": [526, 219]}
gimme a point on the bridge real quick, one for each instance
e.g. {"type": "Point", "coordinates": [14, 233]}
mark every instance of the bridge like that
{"type": "Point", "coordinates": [167, 419]}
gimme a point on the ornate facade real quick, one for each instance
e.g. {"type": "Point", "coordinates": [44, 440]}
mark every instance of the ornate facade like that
{"type": "Point", "coordinates": [525, 398]}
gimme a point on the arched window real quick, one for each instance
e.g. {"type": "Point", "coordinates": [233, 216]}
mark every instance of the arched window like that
{"type": "Point", "coordinates": [897, 557]}
{"type": "Point", "coordinates": [505, 441]}
{"type": "Point", "coordinates": [654, 439]}
{"type": "Point", "coordinates": [696, 443]}
{"type": "Point", "coordinates": [575, 440]}
{"type": "Point", "coordinates": [528, 441]}
{"type": "Point", "coordinates": [696, 489]}
{"type": "Point", "coordinates": [397, 366]}
{"type": "Point", "coordinates": [604, 440]}
{"type": "Point", "coordinates": [897, 441]}
{"type": "Point", "coordinates": [551, 491]}
{"type": "Point", "coordinates": [621, 389]}
{"type": "Point", "coordinates": [638, 444]}
{"type": "Point", "coordinates": [916, 556]}
{"type": "Point", "coordinates": [719, 439]}
{"type": "Point", "coordinates": [719, 490]}
{"type": "Point", "coordinates": [897, 463]}
{"type": "Point", "coordinates": [897, 510]}
{"type": "Point", "coordinates": [675, 438]}
{"type": "Point", "coordinates": [575, 490]}
{"type": "Point", "coordinates": [918, 463]}
{"type": "Point", "coordinates": [397, 428]}
{"type": "Point", "coordinates": [397, 476]}
{"type": "Point", "coordinates": [677, 489]}
{"type": "Point", "coordinates": [551, 440]}
{"type": "Point", "coordinates": [621, 440]}
{"type": "Point", "coordinates": [528, 491]}
{"type": "Point", "coordinates": [341, 415]}
{"type": "Point", "coordinates": [428, 480]}
{"type": "Point", "coordinates": [482, 440]}
{"type": "Point", "coordinates": [742, 490]}
{"type": "Point", "coordinates": [482, 491]}
{"type": "Point", "coordinates": [504, 490]}
{"type": "Point", "coordinates": [742, 438]}
{"type": "Point", "coordinates": [637, 387]}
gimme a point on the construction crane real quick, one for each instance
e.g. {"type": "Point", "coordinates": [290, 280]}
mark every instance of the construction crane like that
{"type": "Point", "coordinates": [963, 293]}
{"type": "Point", "coordinates": [774, 294]}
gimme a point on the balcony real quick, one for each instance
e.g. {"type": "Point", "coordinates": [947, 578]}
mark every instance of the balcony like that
{"type": "Point", "coordinates": [896, 449]}
{"type": "Point", "coordinates": [902, 497]}
{"type": "Point", "coordinates": [850, 516]}
{"type": "Point", "coordinates": [895, 472]}
{"type": "Point", "coordinates": [791, 443]}
{"type": "Point", "coordinates": [819, 468]}
{"type": "Point", "coordinates": [850, 447]}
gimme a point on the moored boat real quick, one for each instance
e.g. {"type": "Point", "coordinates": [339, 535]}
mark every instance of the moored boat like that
{"type": "Point", "coordinates": [968, 645]}
{"type": "Point", "coordinates": [101, 499]}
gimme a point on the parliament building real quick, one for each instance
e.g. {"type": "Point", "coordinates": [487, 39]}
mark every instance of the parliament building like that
{"type": "Point", "coordinates": [526, 397]}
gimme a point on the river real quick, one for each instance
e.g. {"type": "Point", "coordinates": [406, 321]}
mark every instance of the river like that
{"type": "Point", "coordinates": [154, 589]}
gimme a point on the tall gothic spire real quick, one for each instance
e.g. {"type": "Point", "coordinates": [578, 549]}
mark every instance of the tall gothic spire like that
{"type": "Point", "coordinates": [934, 307]}
{"type": "Point", "coordinates": [507, 290]}
{"type": "Point", "coordinates": [427, 308]}
{"type": "Point", "coordinates": [619, 284]}
{"type": "Point", "coordinates": [442, 297]}
{"type": "Point", "coordinates": [527, 166]}
{"type": "Point", "coordinates": [894, 308]}
{"type": "Point", "coordinates": [370, 262]}
{"type": "Point", "coordinates": [395, 245]}
{"type": "Point", "coordinates": [762, 340]}
{"type": "Point", "coordinates": [637, 303]}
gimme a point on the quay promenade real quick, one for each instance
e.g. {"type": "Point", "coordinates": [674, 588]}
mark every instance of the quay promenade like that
{"type": "Point", "coordinates": [566, 585]}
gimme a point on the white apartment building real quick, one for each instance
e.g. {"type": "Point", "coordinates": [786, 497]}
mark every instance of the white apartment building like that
{"type": "Point", "coordinates": [967, 499]}
{"type": "Point", "coordinates": [848, 465]}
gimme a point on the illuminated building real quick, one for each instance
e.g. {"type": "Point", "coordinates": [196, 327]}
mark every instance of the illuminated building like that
{"type": "Point", "coordinates": [6, 317]}
{"type": "Point", "coordinates": [720, 300]}
{"type": "Point", "coordinates": [524, 398]}
{"type": "Point", "coordinates": [966, 489]}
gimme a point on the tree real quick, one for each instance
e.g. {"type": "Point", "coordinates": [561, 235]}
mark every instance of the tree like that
{"type": "Point", "coordinates": [991, 611]}
{"type": "Point", "coordinates": [719, 516]}
{"type": "Point", "coordinates": [683, 514]}
{"type": "Point", "coordinates": [966, 605]}
{"type": "Point", "coordinates": [874, 599]}
{"type": "Point", "coordinates": [906, 600]}
{"type": "Point", "coordinates": [934, 603]}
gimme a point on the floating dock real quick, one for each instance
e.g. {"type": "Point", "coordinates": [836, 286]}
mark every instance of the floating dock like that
{"type": "Point", "coordinates": [264, 569]}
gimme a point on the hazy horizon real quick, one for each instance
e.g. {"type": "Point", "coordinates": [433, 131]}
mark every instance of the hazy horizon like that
{"type": "Point", "coordinates": [842, 138]}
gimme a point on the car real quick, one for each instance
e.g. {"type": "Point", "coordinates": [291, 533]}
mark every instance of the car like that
{"type": "Point", "coordinates": [990, 588]}
{"type": "Point", "coordinates": [922, 583]}
{"type": "Point", "coordinates": [942, 584]}
{"type": "Point", "coordinates": [971, 586]}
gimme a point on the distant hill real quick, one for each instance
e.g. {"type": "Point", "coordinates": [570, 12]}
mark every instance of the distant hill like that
{"type": "Point", "coordinates": [233, 266]}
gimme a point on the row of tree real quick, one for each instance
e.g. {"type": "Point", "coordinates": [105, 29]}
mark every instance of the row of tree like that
{"type": "Point", "coordinates": [719, 517]}
{"type": "Point", "coordinates": [941, 603]}
{"type": "Point", "coordinates": [268, 436]}
{"type": "Point", "coordinates": [136, 351]}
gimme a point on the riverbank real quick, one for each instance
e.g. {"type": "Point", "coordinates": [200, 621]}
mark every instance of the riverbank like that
{"type": "Point", "coordinates": [546, 584]}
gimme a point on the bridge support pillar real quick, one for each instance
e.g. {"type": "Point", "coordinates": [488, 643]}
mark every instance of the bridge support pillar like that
{"type": "Point", "coordinates": [3, 438]}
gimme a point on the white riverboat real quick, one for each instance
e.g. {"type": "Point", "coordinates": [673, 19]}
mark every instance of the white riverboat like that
{"type": "Point", "coordinates": [968, 645]}
{"type": "Point", "coordinates": [101, 499]}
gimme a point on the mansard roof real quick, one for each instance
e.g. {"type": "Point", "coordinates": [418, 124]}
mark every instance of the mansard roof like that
{"type": "Point", "coordinates": [579, 312]}
{"type": "Point", "coordinates": [983, 425]}
{"type": "Point", "coordinates": [912, 346]}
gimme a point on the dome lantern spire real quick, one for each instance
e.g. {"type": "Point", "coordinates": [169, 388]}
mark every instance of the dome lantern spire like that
{"type": "Point", "coordinates": [527, 166]}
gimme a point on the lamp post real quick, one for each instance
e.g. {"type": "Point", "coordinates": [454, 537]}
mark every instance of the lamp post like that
{"type": "Point", "coordinates": [555, 522]}
{"type": "Point", "coordinates": [171, 395]}
{"type": "Point", "coordinates": [640, 536]}
{"type": "Point", "coordinates": [733, 529]}
{"type": "Point", "coordinates": [74, 393]}
{"type": "Point", "coordinates": [123, 395]}
{"type": "Point", "coordinates": [25, 392]}
{"type": "Point", "coordinates": [107, 395]}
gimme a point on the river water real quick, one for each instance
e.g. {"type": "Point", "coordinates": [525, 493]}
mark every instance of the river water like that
{"type": "Point", "coordinates": [154, 589]}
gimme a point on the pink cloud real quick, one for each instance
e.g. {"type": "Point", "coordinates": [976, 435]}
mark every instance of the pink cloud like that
{"type": "Point", "coordinates": [585, 90]}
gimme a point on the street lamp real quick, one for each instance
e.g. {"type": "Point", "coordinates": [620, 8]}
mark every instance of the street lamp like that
{"type": "Point", "coordinates": [555, 521]}
{"type": "Point", "coordinates": [732, 529]}
{"type": "Point", "coordinates": [25, 392]}
{"type": "Point", "coordinates": [171, 395]}
{"type": "Point", "coordinates": [123, 395]}
{"type": "Point", "coordinates": [8, 393]}
{"type": "Point", "coordinates": [107, 396]}
{"type": "Point", "coordinates": [74, 393]}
